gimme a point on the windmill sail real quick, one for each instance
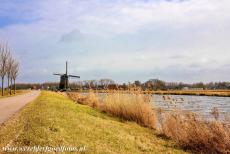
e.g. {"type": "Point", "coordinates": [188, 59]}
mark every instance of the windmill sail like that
{"type": "Point", "coordinates": [64, 79]}
{"type": "Point", "coordinates": [74, 76]}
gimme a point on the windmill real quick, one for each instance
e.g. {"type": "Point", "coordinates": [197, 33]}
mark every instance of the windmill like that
{"type": "Point", "coordinates": [64, 79]}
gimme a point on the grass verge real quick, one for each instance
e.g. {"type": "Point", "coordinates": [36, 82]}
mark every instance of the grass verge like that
{"type": "Point", "coordinates": [18, 92]}
{"type": "Point", "coordinates": [54, 120]}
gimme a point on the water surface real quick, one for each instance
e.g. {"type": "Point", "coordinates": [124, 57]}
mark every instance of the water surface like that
{"type": "Point", "coordinates": [202, 105]}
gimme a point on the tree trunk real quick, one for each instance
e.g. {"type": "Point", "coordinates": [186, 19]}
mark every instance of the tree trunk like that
{"type": "Point", "coordinates": [11, 83]}
{"type": "Point", "coordinates": [14, 87]}
{"type": "Point", "coordinates": [8, 87]}
{"type": "Point", "coordinates": [2, 86]}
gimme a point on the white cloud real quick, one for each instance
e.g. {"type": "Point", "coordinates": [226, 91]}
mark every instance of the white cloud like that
{"type": "Point", "coordinates": [122, 36]}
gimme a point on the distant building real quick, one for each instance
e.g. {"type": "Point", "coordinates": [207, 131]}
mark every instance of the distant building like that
{"type": "Point", "coordinates": [187, 88]}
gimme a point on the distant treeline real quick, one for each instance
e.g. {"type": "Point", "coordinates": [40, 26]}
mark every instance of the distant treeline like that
{"type": "Point", "coordinates": [104, 84]}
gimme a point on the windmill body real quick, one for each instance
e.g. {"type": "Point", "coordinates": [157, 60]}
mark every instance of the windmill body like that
{"type": "Point", "coordinates": [64, 79]}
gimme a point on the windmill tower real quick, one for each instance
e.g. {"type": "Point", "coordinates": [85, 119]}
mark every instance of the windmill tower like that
{"type": "Point", "coordinates": [64, 79]}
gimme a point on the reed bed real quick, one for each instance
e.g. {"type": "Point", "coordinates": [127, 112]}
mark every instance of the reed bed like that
{"type": "Point", "coordinates": [133, 107]}
{"type": "Point", "coordinates": [188, 130]}
{"type": "Point", "coordinates": [196, 134]}
{"type": "Point", "coordinates": [217, 93]}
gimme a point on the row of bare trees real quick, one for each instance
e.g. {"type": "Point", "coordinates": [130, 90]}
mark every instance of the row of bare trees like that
{"type": "Point", "coordinates": [92, 84]}
{"type": "Point", "coordinates": [9, 68]}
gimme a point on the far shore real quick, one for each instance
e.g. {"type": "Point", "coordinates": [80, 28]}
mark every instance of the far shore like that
{"type": "Point", "coordinates": [217, 93]}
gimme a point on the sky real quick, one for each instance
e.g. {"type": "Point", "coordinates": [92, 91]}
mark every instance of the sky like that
{"type": "Point", "coordinates": [124, 40]}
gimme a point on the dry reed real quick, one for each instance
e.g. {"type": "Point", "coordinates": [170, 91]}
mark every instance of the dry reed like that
{"type": "Point", "coordinates": [189, 130]}
{"type": "Point", "coordinates": [197, 135]}
{"type": "Point", "coordinates": [133, 107]}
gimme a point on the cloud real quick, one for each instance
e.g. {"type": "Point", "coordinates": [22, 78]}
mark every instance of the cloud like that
{"type": "Point", "coordinates": [73, 36]}
{"type": "Point", "coordinates": [177, 57]}
{"type": "Point", "coordinates": [124, 40]}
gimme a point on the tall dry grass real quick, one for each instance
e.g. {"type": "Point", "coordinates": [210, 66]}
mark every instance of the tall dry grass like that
{"type": "Point", "coordinates": [195, 134]}
{"type": "Point", "coordinates": [188, 130]}
{"type": "Point", "coordinates": [133, 107]}
{"type": "Point", "coordinates": [220, 93]}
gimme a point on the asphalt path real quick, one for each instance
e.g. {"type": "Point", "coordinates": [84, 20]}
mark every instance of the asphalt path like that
{"type": "Point", "coordinates": [11, 105]}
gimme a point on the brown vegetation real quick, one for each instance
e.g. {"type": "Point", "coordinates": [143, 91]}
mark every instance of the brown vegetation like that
{"type": "Point", "coordinates": [195, 134]}
{"type": "Point", "coordinates": [188, 130]}
{"type": "Point", "coordinates": [134, 107]}
{"type": "Point", "coordinates": [222, 93]}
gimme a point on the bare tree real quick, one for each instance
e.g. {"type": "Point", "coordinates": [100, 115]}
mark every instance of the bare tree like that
{"type": "Point", "coordinates": [88, 84]}
{"type": "Point", "coordinates": [10, 63]}
{"type": "Point", "coordinates": [79, 84]}
{"type": "Point", "coordinates": [14, 73]}
{"type": "Point", "coordinates": [106, 82]}
{"type": "Point", "coordinates": [4, 55]}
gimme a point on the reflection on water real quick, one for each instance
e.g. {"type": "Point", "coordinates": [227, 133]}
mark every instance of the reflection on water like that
{"type": "Point", "coordinates": [202, 105]}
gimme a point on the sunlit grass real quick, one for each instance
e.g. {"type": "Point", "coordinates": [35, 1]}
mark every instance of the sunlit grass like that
{"type": "Point", "coordinates": [54, 120]}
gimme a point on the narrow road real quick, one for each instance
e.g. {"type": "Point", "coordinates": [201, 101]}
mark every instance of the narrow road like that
{"type": "Point", "coordinates": [11, 105]}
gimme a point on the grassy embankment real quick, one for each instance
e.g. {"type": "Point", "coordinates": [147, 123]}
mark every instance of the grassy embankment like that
{"type": "Point", "coordinates": [54, 120]}
{"type": "Point", "coordinates": [7, 94]}
{"type": "Point", "coordinates": [186, 129]}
